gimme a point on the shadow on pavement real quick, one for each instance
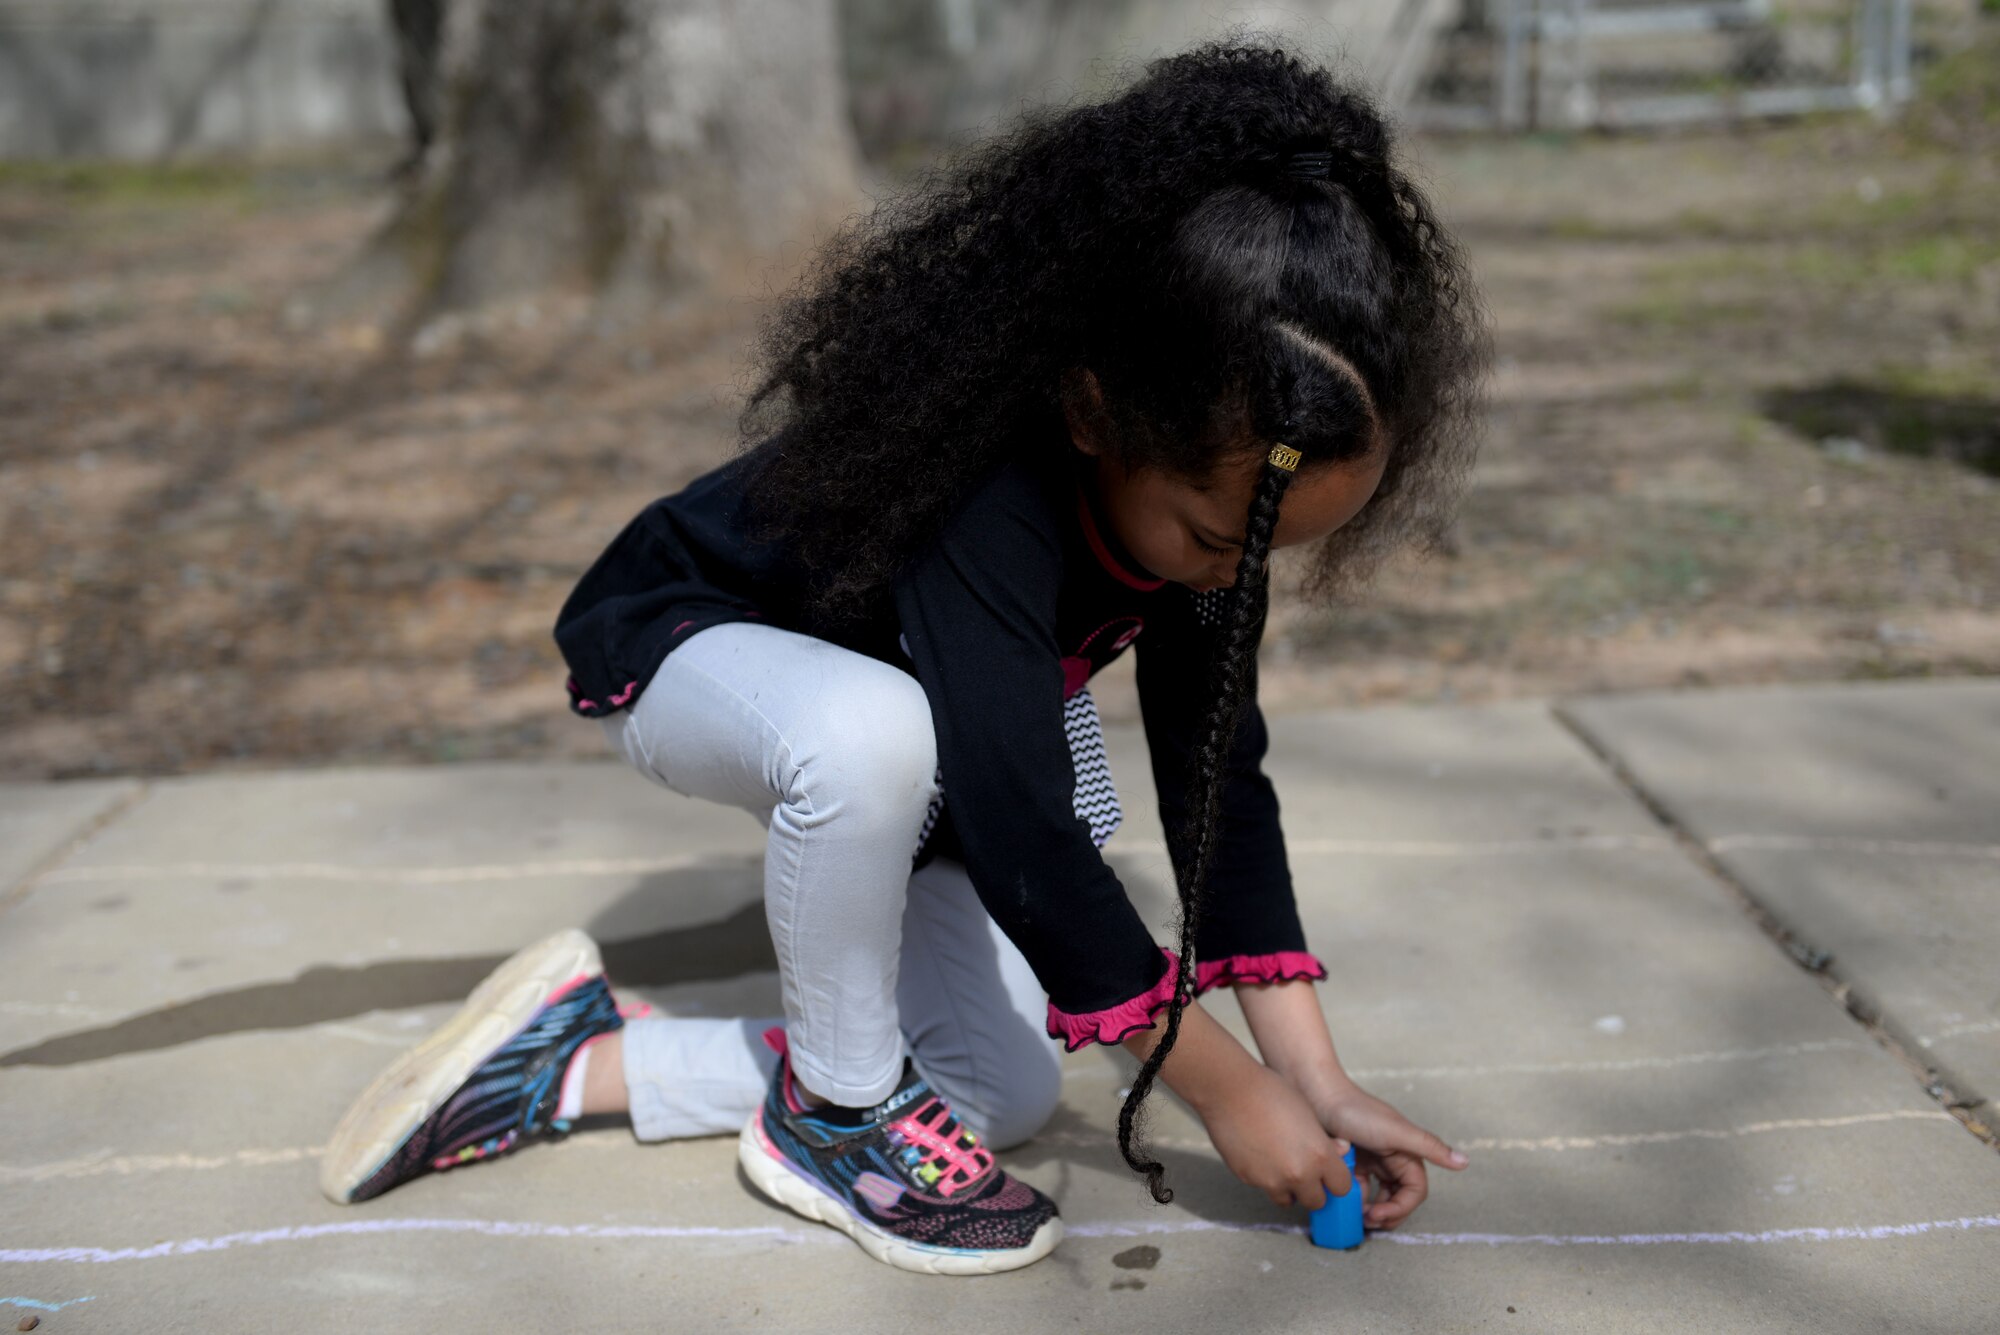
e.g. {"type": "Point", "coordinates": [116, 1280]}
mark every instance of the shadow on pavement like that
{"type": "Point", "coordinates": [726, 948]}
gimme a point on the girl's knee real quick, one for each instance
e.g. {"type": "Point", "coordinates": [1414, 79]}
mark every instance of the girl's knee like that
{"type": "Point", "coordinates": [1023, 1105]}
{"type": "Point", "coordinates": [875, 739]}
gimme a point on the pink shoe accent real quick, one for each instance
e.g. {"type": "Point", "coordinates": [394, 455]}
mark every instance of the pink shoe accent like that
{"type": "Point", "coordinates": [884, 1196]}
{"type": "Point", "coordinates": [775, 1040]}
{"type": "Point", "coordinates": [1115, 1022]}
{"type": "Point", "coordinates": [635, 1010]}
{"type": "Point", "coordinates": [959, 1160]}
{"type": "Point", "coordinates": [567, 988]}
{"type": "Point", "coordinates": [1275, 968]}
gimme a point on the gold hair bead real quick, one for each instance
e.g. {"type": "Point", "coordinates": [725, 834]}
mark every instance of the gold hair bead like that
{"type": "Point", "coordinates": [1285, 457]}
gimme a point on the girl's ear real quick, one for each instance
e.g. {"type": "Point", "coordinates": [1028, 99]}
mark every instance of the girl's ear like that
{"type": "Point", "coordinates": [1083, 408]}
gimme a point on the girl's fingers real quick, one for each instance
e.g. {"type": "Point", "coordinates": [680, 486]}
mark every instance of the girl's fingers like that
{"type": "Point", "coordinates": [1405, 1187]}
{"type": "Point", "coordinates": [1422, 1143]}
{"type": "Point", "coordinates": [1388, 1130]}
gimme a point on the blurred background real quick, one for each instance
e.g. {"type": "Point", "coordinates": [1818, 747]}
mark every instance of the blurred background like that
{"type": "Point", "coordinates": [338, 336]}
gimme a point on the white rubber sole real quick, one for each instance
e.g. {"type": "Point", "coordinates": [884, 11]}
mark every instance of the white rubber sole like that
{"type": "Point", "coordinates": [771, 1174]}
{"type": "Point", "coordinates": [418, 1082]}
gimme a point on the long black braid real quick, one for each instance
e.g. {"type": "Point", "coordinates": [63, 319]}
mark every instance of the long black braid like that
{"type": "Point", "coordinates": [1234, 653]}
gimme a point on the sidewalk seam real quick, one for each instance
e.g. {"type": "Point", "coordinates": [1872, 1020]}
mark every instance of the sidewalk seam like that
{"type": "Point", "coordinates": [1950, 1090]}
{"type": "Point", "coordinates": [22, 887]}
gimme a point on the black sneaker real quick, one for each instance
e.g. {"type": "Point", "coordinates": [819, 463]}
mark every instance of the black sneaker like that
{"type": "Point", "coordinates": [911, 1184]}
{"type": "Point", "coordinates": [487, 1080]}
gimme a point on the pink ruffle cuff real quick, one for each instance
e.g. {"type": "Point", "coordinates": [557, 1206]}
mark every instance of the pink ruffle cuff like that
{"type": "Point", "coordinates": [1281, 967]}
{"type": "Point", "coordinates": [1115, 1022]}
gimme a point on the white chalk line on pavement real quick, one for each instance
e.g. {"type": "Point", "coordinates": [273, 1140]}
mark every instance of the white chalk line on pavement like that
{"type": "Point", "coordinates": [1667, 1062]}
{"type": "Point", "coordinates": [1408, 848]}
{"type": "Point", "coordinates": [330, 871]}
{"type": "Point", "coordinates": [498, 1228]}
{"type": "Point", "coordinates": [521, 871]}
{"type": "Point", "coordinates": [1814, 843]}
{"type": "Point", "coordinates": [1670, 1061]}
{"type": "Point", "coordinates": [1616, 1140]}
{"type": "Point", "coordinates": [1468, 848]}
{"type": "Point", "coordinates": [1623, 1138]}
{"type": "Point", "coordinates": [1661, 1063]}
{"type": "Point", "coordinates": [106, 1164]}
{"type": "Point", "coordinates": [1961, 1030]}
{"type": "Point", "coordinates": [369, 1036]}
{"type": "Point", "coordinates": [59, 1009]}
{"type": "Point", "coordinates": [332, 1029]}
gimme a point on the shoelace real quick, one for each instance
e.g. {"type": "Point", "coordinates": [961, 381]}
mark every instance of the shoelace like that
{"type": "Point", "coordinates": [940, 1153]}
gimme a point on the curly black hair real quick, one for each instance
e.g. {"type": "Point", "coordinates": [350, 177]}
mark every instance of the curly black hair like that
{"type": "Point", "coordinates": [1166, 244]}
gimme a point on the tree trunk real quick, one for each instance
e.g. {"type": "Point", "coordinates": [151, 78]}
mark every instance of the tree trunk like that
{"type": "Point", "coordinates": [634, 148]}
{"type": "Point", "coordinates": [418, 25]}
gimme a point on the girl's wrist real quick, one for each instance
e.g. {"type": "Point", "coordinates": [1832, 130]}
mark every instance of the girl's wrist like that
{"type": "Point", "coordinates": [1206, 1065]}
{"type": "Point", "coordinates": [1292, 1036]}
{"type": "Point", "coordinates": [1320, 1079]}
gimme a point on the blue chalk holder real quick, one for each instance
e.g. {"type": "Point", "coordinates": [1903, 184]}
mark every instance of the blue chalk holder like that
{"type": "Point", "coordinates": [1337, 1224]}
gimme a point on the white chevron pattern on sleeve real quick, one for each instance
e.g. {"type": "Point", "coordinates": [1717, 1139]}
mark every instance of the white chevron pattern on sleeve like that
{"type": "Point", "coordinates": [1095, 797]}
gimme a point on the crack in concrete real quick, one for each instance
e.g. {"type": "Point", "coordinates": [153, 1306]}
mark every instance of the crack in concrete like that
{"type": "Point", "coordinates": [21, 888]}
{"type": "Point", "coordinates": [1951, 1091]}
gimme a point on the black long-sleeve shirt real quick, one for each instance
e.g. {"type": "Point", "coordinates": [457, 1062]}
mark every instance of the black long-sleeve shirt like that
{"type": "Point", "coordinates": [1026, 593]}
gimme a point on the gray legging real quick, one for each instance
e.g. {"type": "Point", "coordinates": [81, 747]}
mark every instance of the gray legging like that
{"type": "Point", "coordinates": [834, 753]}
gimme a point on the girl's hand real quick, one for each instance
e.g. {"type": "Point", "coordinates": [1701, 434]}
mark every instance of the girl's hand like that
{"type": "Point", "coordinates": [1272, 1139]}
{"type": "Point", "coordinates": [1387, 1147]}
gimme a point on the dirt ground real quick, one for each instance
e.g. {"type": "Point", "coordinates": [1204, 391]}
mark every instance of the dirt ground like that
{"type": "Point", "coordinates": [1745, 395]}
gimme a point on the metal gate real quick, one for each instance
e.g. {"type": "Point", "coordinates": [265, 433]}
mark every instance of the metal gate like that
{"type": "Point", "coordinates": [1524, 64]}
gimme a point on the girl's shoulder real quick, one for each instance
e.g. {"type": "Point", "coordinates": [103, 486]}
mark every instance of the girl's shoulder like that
{"type": "Point", "coordinates": [1031, 492]}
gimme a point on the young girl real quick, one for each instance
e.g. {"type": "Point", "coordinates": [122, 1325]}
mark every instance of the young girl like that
{"type": "Point", "coordinates": [1062, 399]}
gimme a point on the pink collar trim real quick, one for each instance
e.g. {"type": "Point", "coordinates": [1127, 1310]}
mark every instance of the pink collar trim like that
{"type": "Point", "coordinates": [1102, 551]}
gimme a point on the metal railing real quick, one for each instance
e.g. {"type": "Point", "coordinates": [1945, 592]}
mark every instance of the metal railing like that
{"type": "Point", "coordinates": [1528, 64]}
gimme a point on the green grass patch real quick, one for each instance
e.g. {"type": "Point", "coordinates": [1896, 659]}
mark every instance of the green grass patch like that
{"type": "Point", "coordinates": [1674, 555]}
{"type": "Point", "coordinates": [134, 184]}
{"type": "Point", "coordinates": [1669, 310]}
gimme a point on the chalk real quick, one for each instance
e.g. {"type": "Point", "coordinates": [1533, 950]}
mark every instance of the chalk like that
{"type": "Point", "coordinates": [767, 1235]}
{"type": "Point", "coordinates": [1337, 1224]}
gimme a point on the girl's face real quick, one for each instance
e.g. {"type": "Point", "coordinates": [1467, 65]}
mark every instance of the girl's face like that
{"type": "Point", "coordinates": [1195, 537]}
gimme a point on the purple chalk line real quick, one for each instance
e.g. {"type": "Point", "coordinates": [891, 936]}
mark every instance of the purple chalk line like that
{"type": "Point", "coordinates": [40, 1306]}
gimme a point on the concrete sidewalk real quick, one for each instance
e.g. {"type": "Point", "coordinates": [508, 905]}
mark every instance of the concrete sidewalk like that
{"type": "Point", "coordinates": [1672, 1125]}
